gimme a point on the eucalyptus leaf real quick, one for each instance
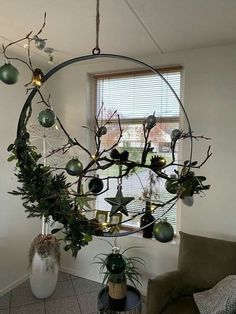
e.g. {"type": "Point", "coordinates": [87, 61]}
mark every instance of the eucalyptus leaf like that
{"type": "Point", "coordinates": [10, 147]}
{"type": "Point", "coordinates": [11, 158]}
{"type": "Point", "coordinates": [56, 230]}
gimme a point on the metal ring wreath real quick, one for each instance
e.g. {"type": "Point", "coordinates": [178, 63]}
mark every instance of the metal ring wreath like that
{"type": "Point", "coordinates": [48, 194]}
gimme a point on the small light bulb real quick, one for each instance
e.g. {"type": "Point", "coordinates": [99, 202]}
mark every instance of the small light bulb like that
{"type": "Point", "coordinates": [26, 46]}
{"type": "Point", "coordinates": [56, 127]}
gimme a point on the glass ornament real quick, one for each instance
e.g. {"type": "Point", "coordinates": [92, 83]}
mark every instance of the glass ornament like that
{"type": "Point", "coordinates": [151, 121]}
{"type": "Point", "coordinates": [95, 185]}
{"type": "Point", "coordinates": [40, 43]}
{"type": "Point", "coordinates": [175, 134]}
{"type": "Point", "coordinates": [9, 74]}
{"type": "Point", "coordinates": [172, 185]}
{"type": "Point", "coordinates": [46, 118]}
{"type": "Point", "coordinates": [163, 231]}
{"type": "Point", "coordinates": [115, 262]}
{"type": "Point", "coordinates": [74, 167]}
{"type": "Point", "coordinates": [102, 131]}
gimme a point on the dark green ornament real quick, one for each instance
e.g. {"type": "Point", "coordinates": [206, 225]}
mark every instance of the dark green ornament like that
{"type": "Point", "coordinates": [115, 263]}
{"type": "Point", "coordinates": [102, 131]}
{"type": "Point", "coordinates": [47, 118]}
{"type": "Point", "coordinates": [9, 74]}
{"type": "Point", "coordinates": [151, 121]}
{"type": "Point", "coordinates": [163, 231]}
{"type": "Point", "coordinates": [172, 185]}
{"type": "Point", "coordinates": [74, 167]}
{"type": "Point", "coordinates": [175, 134]}
{"type": "Point", "coordinates": [96, 185]}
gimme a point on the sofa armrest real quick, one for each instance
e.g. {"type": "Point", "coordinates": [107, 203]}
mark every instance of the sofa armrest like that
{"type": "Point", "coordinates": [165, 288]}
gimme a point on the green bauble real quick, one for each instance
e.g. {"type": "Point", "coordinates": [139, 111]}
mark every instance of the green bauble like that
{"type": "Point", "coordinates": [175, 134]}
{"type": "Point", "coordinates": [151, 121]}
{"type": "Point", "coordinates": [163, 231]}
{"type": "Point", "coordinates": [95, 185]}
{"type": "Point", "coordinates": [74, 167]}
{"type": "Point", "coordinates": [9, 74]}
{"type": "Point", "coordinates": [115, 263]}
{"type": "Point", "coordinates": [102, 131]}
{"type": "Point", "coordinates": [172, 186]}
{"type": "Point", "coordinates": [46, 118]}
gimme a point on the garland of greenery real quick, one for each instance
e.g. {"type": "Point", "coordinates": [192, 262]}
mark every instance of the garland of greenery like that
{"type": "Point", "coordinates": [45, 194]}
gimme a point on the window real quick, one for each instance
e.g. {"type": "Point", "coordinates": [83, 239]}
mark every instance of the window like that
{"type": "Point", "coordinates": [135, 96]}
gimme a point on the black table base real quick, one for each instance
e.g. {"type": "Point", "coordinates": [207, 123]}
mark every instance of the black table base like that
{"type": "Point", "coordinates": [131, 304]}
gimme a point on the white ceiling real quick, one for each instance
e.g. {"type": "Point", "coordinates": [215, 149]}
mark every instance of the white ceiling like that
{"type": "Point", "coordinates": [128, 27]}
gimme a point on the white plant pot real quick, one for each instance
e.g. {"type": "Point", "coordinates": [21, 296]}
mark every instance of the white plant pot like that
{"type": "Point", "coordinates": [43, 275]}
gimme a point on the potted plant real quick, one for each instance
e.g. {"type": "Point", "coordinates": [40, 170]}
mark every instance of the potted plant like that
{"type": "Point", "coordinates": [44, 262]}
{"type": "Point", "coordinates": [117, 269]}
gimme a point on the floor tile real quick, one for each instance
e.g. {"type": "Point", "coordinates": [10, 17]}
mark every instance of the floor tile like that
{"type": "Point", "coordinates": [63, 306]}
{"type": "Point", "coordinates": [88, 302]}
{"type": "Point", "coordinates": [29, 309]}
{"type": "Point", "coordinates": [5, 311]}
{"type": "Point", "coordinates": [23, 296]}
{"type": "Point", "coordinates": [82, 285]}
{"type": "Point", "coordinates": [5, 300]}
{"type": "Point", "coordinates": [63, 276]}
{"type": "Point", "coordinates": [74, 277]}
{"type": "Point", "coordinates": [63, 289]}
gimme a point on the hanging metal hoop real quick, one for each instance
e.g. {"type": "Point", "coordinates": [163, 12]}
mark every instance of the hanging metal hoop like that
{"type": "Point", "coordinates": [23, 116]}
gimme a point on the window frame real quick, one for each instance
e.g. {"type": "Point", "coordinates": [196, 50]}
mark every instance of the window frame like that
{"type": "Point", "coordinates": [168, 119]}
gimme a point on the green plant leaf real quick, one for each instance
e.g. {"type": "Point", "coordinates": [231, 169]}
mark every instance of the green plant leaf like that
{"type": "Point", "coordinates": [11, 158]}
{"type": "Point", "coordinates": [56, 230]}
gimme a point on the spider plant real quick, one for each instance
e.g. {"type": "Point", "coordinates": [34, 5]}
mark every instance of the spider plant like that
{"type": "Point", "coordinates": [130, 273]}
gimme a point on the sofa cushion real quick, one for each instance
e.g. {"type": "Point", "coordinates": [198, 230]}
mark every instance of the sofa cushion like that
{"type": "Point", "coordinates": [205, 261]}
{"type": "Point", "coordinates": [184, 305]}
{"type": "Point", "coordinates": [220, 299]}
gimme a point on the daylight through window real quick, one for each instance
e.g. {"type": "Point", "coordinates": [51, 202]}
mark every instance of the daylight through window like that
{"type": "Point", "coordinates": [135, 96]}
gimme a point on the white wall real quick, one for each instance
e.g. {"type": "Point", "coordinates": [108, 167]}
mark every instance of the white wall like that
{"type": "Point", "coordinates": [209, 90]}
{"type": "Point", "coordinates": [16, 231]}
{"type": "Point", "coordinates": [209, 96]}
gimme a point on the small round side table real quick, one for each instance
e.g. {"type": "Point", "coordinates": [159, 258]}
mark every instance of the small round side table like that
{"type": "Point", "coordinates": [131, 304]}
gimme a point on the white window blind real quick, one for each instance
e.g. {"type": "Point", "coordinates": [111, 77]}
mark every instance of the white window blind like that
{"type": "Point", "coordinates": [135, 96]}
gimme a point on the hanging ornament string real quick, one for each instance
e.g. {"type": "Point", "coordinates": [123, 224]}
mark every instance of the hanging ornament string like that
{"type": "Point", "coordinates": [96, 50]}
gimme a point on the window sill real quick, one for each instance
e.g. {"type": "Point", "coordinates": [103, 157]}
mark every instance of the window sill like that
{"type": "Point", "coordinates": [138, 235]}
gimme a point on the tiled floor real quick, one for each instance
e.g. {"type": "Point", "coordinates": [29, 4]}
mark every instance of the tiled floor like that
{"type": "Point", "coordinates": [73, 295]}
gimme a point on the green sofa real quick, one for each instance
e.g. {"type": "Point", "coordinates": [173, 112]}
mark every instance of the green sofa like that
{"type": "Point", "coordinates": [202, 263]}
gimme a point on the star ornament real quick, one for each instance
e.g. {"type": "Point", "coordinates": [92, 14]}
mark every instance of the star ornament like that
{"type": "Point", "coordinates": [119, 203]}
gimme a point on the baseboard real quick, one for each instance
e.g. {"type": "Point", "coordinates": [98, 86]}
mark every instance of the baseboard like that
{"type": "Point", "coordinates": [14, 284]}
{"type": "Point", "coordinates": [74, 272]}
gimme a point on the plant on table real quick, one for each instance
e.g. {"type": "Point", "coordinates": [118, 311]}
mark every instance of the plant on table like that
{"type": "Point", "coordinates": [117, 269]}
